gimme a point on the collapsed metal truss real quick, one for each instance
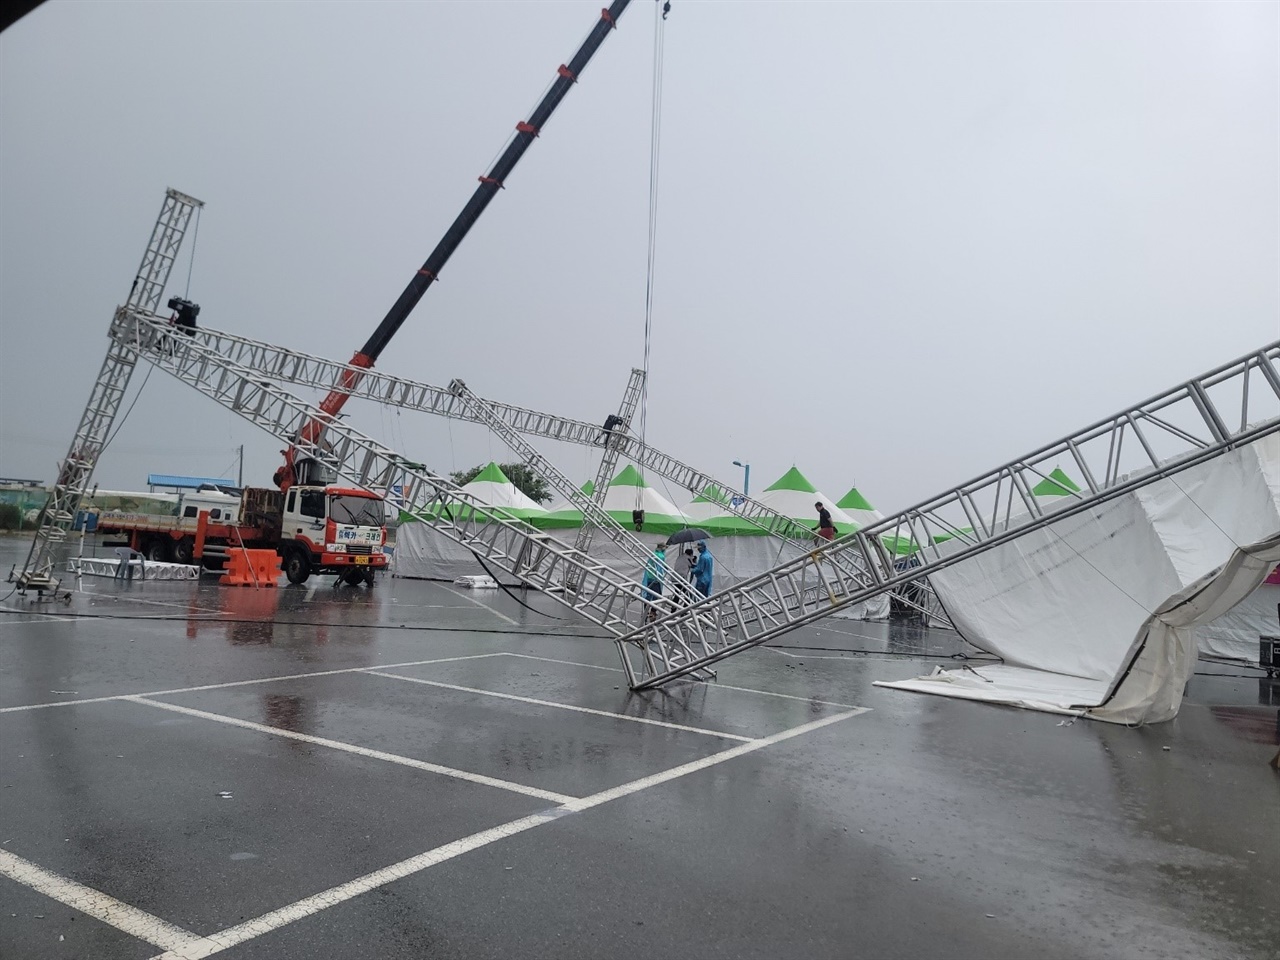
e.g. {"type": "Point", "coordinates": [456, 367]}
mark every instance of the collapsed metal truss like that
{"type": "Point", "coordinates": [294, 367]}
{"type": "Point", "coordinates": [599, 593]}
{"type": "Point", "coordinates": [1145, 443]}
{"type": "Point", "coordinates": [91, 436]}
{"type": "Point", "coordinates": [1190, 424]}
{"type": "Point", "coordinates": [146, 569]}
{"type": "Point", "coordinates": [592, 512]}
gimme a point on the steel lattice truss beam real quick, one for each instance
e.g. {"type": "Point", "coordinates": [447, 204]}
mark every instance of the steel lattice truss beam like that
{"type": "Point", "coordinates": [294, 367]}
{"type": "Point", "coordinates": [76, 469]}
{"type": "Point", "coordinates": [1138, 446]}
{"type": "Point", "coordinates": [591, 511]}
{"type": "Point", "coordinates": [593, 589]}
{"type": "Point", "coordinates": [612, 440]}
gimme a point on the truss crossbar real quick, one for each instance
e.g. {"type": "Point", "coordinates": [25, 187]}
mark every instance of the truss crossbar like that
{"type": "Point", "coordinates": [591, 511]}
{"type": "Point", "coordinates": [609, 456]}
{"type": "Point", "coordinates": [974, 517]}
{"type": "Point", "coordinates": [295, 367]}
{"type": "Point", "coordinates": [76, 470]}
{"type": "Point", "coordinates": [599, 593]}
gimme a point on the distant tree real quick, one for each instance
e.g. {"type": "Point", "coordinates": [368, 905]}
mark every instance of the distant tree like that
{"type": "Point", "coordinates": [521, 474]}
{"type": "Point", "coordinates": [10, 517]}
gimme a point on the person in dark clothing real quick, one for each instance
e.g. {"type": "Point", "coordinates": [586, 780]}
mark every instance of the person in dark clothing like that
{"type": "Point", "coordinates": [826, 529]}
{"type": "Point", "coordinates": [610, 422]}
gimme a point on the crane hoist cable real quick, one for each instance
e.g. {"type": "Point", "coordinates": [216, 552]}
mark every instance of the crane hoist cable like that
{"type": "Point", "coordinates": [655, 151]}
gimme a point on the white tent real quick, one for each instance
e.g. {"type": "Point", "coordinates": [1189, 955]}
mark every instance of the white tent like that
{"type": "Point", "coordinates": [1234, 635]}
{"type": "Point", "coordinates": [792, 496]}
{"type": "Point", "coordinates": [858, 509]}
{"type": "Point", "coordinates": [1095, 614]}
{"type": "Point", "coordinates": [492, 488]}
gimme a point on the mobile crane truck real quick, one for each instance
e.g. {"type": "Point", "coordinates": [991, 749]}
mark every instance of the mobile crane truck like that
{"type": "Point", "coordinates": [314, 528]}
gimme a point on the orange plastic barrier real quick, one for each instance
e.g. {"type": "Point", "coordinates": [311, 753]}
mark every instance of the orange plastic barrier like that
{"type": "Point", "coordinates": [251, 568]}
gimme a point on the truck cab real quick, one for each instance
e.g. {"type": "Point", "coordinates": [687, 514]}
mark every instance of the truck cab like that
{"type": "Point", "coordinates": [332, 529]}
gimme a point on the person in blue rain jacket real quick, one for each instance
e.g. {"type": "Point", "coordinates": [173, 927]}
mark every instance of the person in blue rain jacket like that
{"type": "Point", "coordinates": [702, 569]}
{"type": "Point", "coordinates": [654, 573]}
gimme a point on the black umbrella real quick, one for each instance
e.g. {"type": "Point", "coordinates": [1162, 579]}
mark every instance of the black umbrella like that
{"type": "Point", "coordinates": [688, 535]}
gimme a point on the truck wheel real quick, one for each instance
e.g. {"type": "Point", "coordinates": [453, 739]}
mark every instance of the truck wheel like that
{"type": "Point", "coordinates": [158, 550]}
{"type": "Point", "coordinates": [368, 577]}
{"type": "Point", "coordinates": [352, 577]}
{"type": "Point", "coordinates": [297, 566]}
{"type": "Point", "coordinates": [184, 550]}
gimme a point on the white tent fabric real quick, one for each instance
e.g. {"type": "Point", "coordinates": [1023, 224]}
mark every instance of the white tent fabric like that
{"type": "Point", "coordinates": [1096, 612]}
{"type": "Point", "coordinates": [493, 488]}
{"type": "Point", "coordinates": [1234, 635]}
{"type": "Point", "coordinates": [710, 504]}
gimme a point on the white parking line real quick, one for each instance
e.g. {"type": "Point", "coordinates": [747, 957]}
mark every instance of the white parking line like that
{"type": "Point", "coordinates": [122, 916]}
{"type": "Point", "coordinates": [716, 684]}
{"type": "Point", "coordinates": [251, 929]}
{"type": "Point", "coordinates": [245, 683]}
{"type": "Point", "coordinates": [561, 706]}
{"type": "Point", "coordinates": [358, 751]}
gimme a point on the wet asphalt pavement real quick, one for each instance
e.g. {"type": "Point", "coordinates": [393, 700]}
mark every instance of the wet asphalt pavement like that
{"type": "Point", "coordinates": [923, 827]}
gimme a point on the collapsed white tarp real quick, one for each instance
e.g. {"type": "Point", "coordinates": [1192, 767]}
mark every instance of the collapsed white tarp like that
{"type": "Point", "coordinates": [1096, 612]}
{"type": "Point", "coordinates": [424, 553]}
{"type": "Point", "coordinates": [1234, 635]}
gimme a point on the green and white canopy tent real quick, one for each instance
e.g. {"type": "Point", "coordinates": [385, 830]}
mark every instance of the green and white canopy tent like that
{"type": "Point", "coordinates": [792, 496]}
{"type": "Point", "coordinates": [626, 492]}
{"type": "Point", "coordinates": [562, 513]}
{"type": "Point", "coordinates": [492, 488]}
{"type": "Point", "coordinates": [858, 508]}
{"type": "Point", "coordinates": [712, 502]}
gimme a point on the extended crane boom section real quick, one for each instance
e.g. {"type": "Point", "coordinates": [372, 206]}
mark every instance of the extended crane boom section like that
{"type": "Point", "coordinates": [490, 183]}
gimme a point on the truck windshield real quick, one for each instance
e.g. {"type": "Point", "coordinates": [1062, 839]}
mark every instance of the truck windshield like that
{"type": "Point", "coordinates": [362, 511]}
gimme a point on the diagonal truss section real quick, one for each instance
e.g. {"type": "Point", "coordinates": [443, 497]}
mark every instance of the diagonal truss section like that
{"type": "Point", "coordinates": [1190, 424]}
{"type": "Point", "coordinates": [616, 427]}
{"type": "Point", "coordinates": [591, 511]}
{"type": "Point", "coordinates": [596, 591]}
{"type": "Point", "coordinates": [291, 366]}
{"type": "Point", "coordinates": [92, 434]}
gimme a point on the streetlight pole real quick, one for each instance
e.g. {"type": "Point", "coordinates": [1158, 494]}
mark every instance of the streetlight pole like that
{"type": "Point", "coordinates": [746, 476]}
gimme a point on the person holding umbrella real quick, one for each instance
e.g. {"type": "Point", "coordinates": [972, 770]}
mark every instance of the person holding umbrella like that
{"type": "Point", "coordinates": [689, 536]}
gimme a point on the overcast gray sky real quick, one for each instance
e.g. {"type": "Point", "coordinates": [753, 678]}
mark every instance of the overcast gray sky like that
{"type": "Point", "coordinates": [899, 243]}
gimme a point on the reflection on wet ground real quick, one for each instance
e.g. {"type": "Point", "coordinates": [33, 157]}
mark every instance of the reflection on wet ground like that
{"type": "Point", "coordinates": [414, 715]}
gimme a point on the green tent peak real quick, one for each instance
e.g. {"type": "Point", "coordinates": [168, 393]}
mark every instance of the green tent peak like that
{"type": "Point", "coordinates": [629, 477]}
{"type": "Point", "coordinates": [589, 487]}
{"type": "Point", "coordinates": [712, 494]}
{"type": "Point", "coordinates": [793, 479]}
{"type": "Point", "coordinates": [1057, 484]}
{"type": "Point", "coordinates": [853, 500]}
{"type": "Point", "coordinates": [491, 474]}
